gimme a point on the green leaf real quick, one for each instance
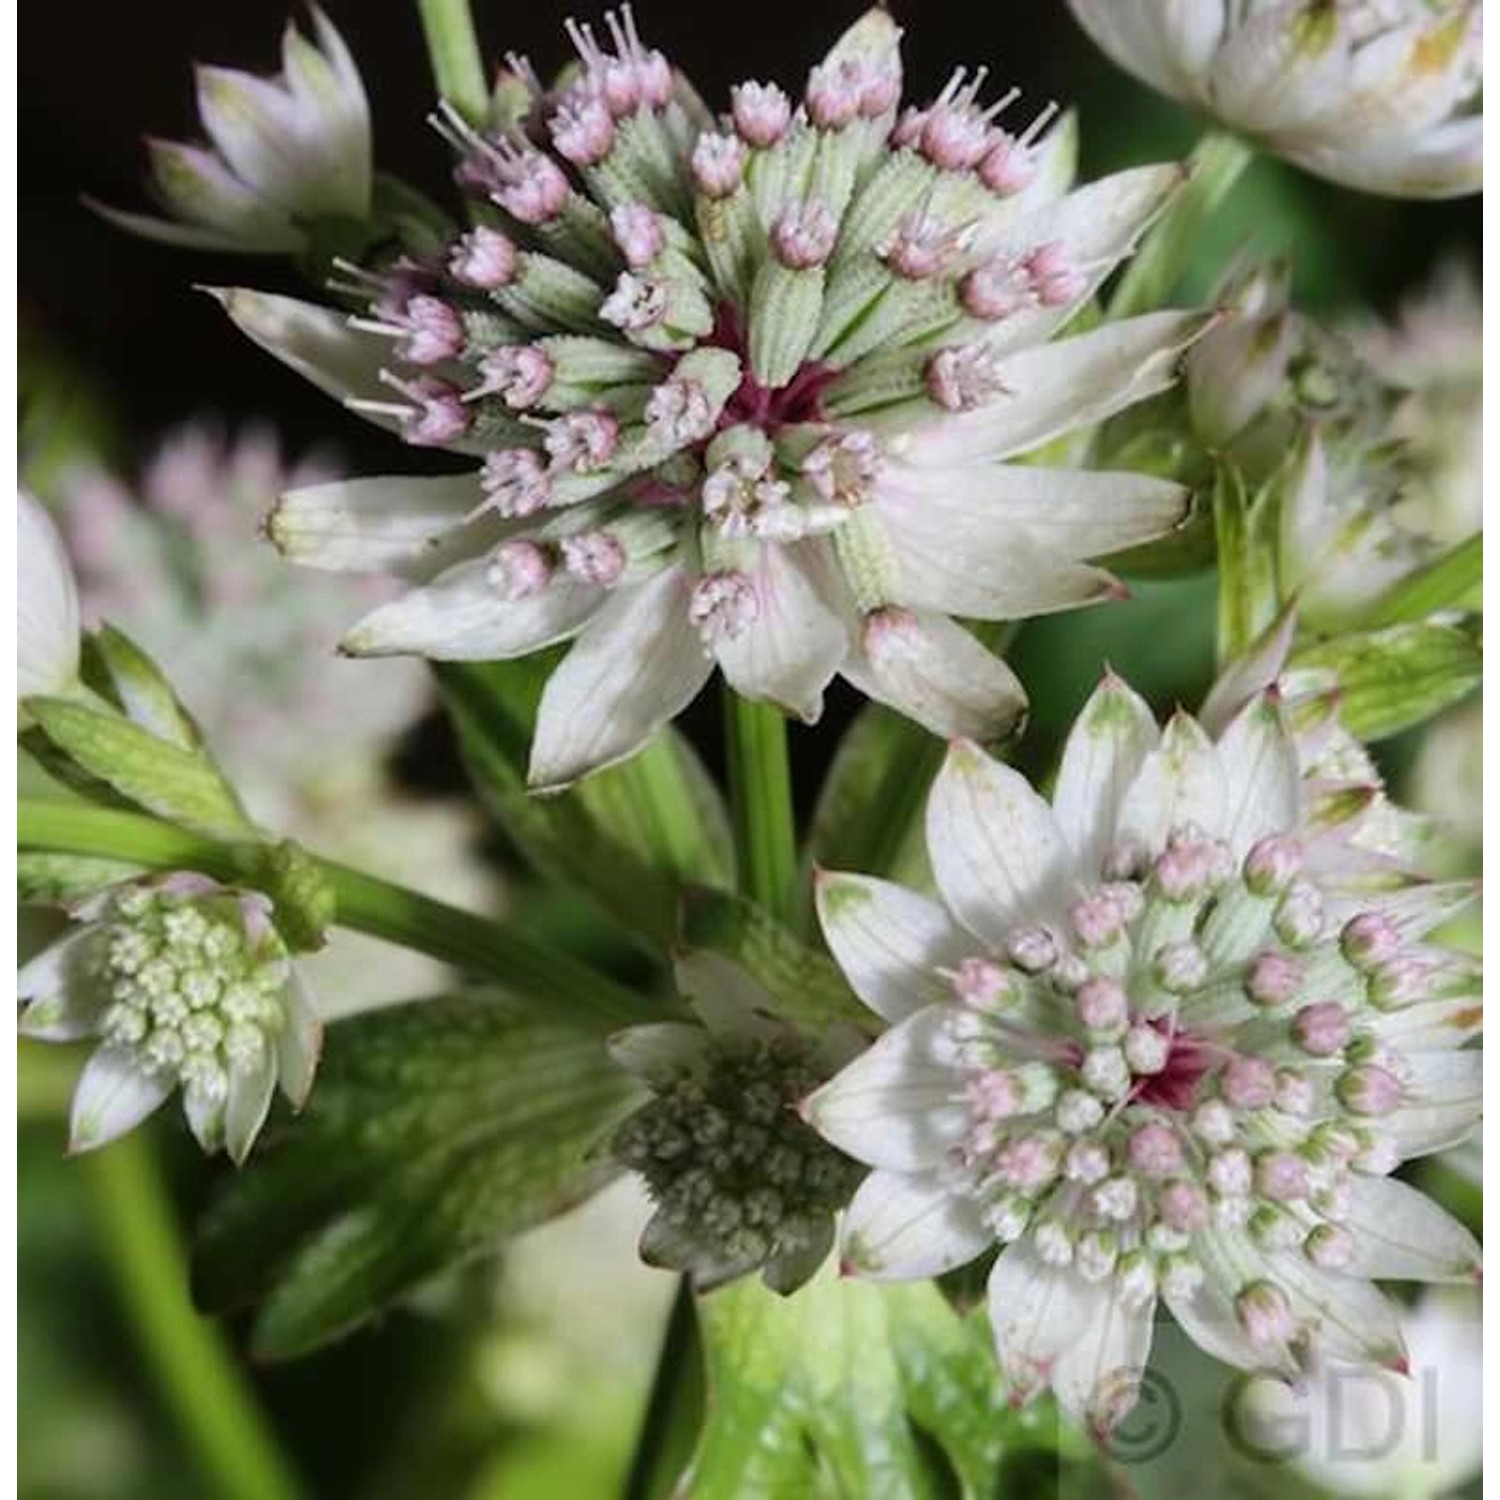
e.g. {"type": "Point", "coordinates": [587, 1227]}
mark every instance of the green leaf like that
{"type": "Point", "coordinates": [434, 1129]}
{"type": "Point", "coordinates": [806, 985]}
{"type": "Point", "coordinates": [140, 687]}
{"type": "Point", "coordinates": [877, 1390]}
{"type": "Point", "coordinates": [631, 837]}
{"type": "Point", "coordinates": [163, 778]}
{"type": "Point", "coordinates": [1245, 537]}
{"type": "Point", "coordinates": [1449, 582]}
{"type": "Point", "coordinates": [1393, 679]}
{"type": "Point", "coordinates": [56, 879]}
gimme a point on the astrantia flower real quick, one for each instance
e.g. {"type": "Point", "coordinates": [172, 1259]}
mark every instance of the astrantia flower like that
{"type": "Point", "coordinates": [185, 983]}
{"type": "Point", "coordinates": [745, 388]}
{"type": "Point", "coordinates": [739, 1182]}
{"type": "Point", "coordinates": [1381, 95]}
{"type": "Point", "coordinates": [47, 629]}
{"type": "Point", "coordinates": [172, 559]}
{"type": "Point", "coordinates": [1159, 1042]}
{"type": "Point", "coordinates": [283, 153]}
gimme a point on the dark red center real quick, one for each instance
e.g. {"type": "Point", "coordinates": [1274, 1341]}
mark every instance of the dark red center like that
{"type": "Point", "coordinates": [1188, 1059]}
{"type": "Point", "coordinates": [799, 400]}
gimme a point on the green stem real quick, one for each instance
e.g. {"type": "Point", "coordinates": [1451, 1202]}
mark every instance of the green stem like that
{"type": "Point", "coordinates": [1213, 169]}
{"type": "Point", "coordinates": [674, 1408]}
{"type": "Point", "coordinates": [364, 902]}
{"type": "Point", "coordinates": [760, 800]}
{"type": "Point", "coordinates": [453, 49]}
{"type": "Point", "coordinates": [206, 1391]}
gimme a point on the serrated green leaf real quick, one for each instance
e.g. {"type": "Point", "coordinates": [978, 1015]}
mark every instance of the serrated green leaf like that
{"type": "Point", "coordinates": [140, 687]}
{"type": "Point", "coordinates": [1449, 582]}
{"type": "Point", "coordinates": [434, 1129]}
{"type": "Point", "coordinates": [1244, 528]}
{"type": "Point", "coordinates": [879, 1390]}
{"type": "Point", "coordinates": [631, 837]}
{"type": "Point", "coordinates": [806, 985]}
{"type": "Point", "coordinates": [55, 879]}
{"type": "Point", "coordinates": [1394, 679]}
{"type": "Point", "coordinates": [160, 777]}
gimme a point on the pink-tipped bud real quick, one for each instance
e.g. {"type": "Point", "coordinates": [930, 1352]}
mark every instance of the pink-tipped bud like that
{"type": "Point", "coordinates": [920, 246]}
{"type": "Point", "coordinates": [439, 417]}
{"type": "Point", "coordinates": [1281, 1176]}
{"type": "Point", "coordinates": [515, 481]}
{"type": "Point", "coordinates": [594, 557]}
{"type": "Point", "coordinates": [723, 606]}
{"type": "Point", "coordinates": [636, 303]}
{"type": "Point", "coordinates": [1155, 1151]}
{"type": "Point", "coordinates": [1369, 941]}
{"type": "Point", "coordinates": [995, 291]}
{"type": "Point", "coordinates": [880, 88]}
{"type": "Point", "coordinates": [1399, 983]}
{"type": "Point", "coordinates": [984, 984]}
{"type": "Point", "coordinates": [1230, 1172]}
{"type": "Point", "coordinates": [906, 134]}
{"type": "Point", "coordinates": [761, 113]}
{"type": "Point", "coordinates": [679, 412]}
{"type": "Point", "coordinates": [583, 130]}
{"type": "Point", "coordinates": [954, 137]}
{"type": "Point", "coordinates": [518, 569]}
{"type": "Point", "coordinates": [833, 94]}
{"type": "Point", "coordinates": [483, 259]}
{"type": "Point", "coordinates": [582, 442]}
{"type": "Point", "coordinates": [1087, 1162]}
{"type": "Point", "coordinates": [1272, 864]}
{"type": "Point", "coordinates": [1027, 1163]}
{"type": "Point", "coordinates": [1008, 166]}
{"type": "Point", "coordinates": [1248, 1083]}
{"type": "Point", "coordinates": [964, 378]}
{"type": "Point", "coordinates": [1322, 1029]}
{"type": "Point", "coordinates": [1295, 1094]}
{"type": "Point", "coordinates": [1300, 915]}
{"type": "Point", "coordinates": [1272, 978]}
{"type": "Point", "coordinates": [638, 232]}
{"type": "Point", "coordinates": [535, 189]}
{"type": "Point", "coordinates": [843, 469]}
{"type": "Point", "coordinates": [1102, 1006]}
{"type": "Point", "coordinates": [1329, 1248]}
{"type": "Point", "coordinates": [519, 374]}
{"type": "Point", "coordinates": [1265, 1314]}
{"type": "Point", "coordinates": [1181, 967]}
{"type": "Point", "coordinates": [434, 331]}
{"type": "Point", "coordinates": [993, 1094]}
{"type": "Point", "coordinates": [1033, 949]}
{"type": "Point", "coordinates": [1369, 1090]}
{"type": "Point", "coordinates": [1146, 1049]}
{"type": "Point", "coordinates": [1181, 1206]}
{"type": "Point", "coordinates": [718, 164]}
{"type": "Point", "coordinates": [1097, 919]}
{"type": "Point", "coordinates": [1055, 280]}
{"type": "Point", "coordinates": [803, 236]}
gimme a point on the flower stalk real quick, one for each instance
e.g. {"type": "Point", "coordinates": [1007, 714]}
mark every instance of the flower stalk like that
{"type": "Point", "coordinates": [453, 49]}
{"type": "Point", "coordinates": [760, 796]}
{"type": "Point", "coordinates": [365, 903]}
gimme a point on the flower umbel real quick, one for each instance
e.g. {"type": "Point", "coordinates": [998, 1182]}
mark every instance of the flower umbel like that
{"type": "Point", "coordinates": [1380, 95]}
{"type": "Point", "coordinates": [738, 1180]}
{"type": "Point", "coordinates": [1161, 1041]}
{"type": "Point", "coordinates": [745, 388]}
{"type": "Point", "coordinates": [284, 153]}
{"type": "Point", "coordinates": [185, 983]}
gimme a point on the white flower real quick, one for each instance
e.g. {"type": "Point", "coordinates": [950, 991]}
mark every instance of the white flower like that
{"type": "Point", "coordinates": [1380, 95]}
{"type": "Point", "coordinates": [739, 1183]}
{"type": "Point", "coordinates": [47, 630]}
{"type": "Point", "coordinates": [1356, 1431]}
{"type": "Point", "coordinates": [185, 983]}
{"type": "Point", "coordinates": [172, 559]}
{"type": "Point", "coordinates": [283, 153]}
{"type": "Point", "coordinates": [1267, 1037]}
{"type": "Point", "coordinates": [1432, 354]}
{"type": "Point", "coordinates": [794, 419]}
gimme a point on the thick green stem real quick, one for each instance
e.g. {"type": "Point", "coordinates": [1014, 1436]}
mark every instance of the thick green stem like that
{"type": "Point", "coordinates": [760, 799]}
{"type": "Point", "coordinates": [674, 1409]}
{"type": "Point", "coordinates": [1213, 169]}
{"type": "Point", "coordinates": [364, 902]}
{"type": "Point", "coordinates": [207, 1393]}
{"type": "Point", "coordinates": [453, 49]}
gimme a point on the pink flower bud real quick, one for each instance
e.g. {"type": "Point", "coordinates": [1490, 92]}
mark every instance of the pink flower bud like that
{"type": "Point", "coordinates": [718, 164]}
{"type": "Point", "coordinates": [1369, 1090]}
{"type": "Point", "coordinates": [519, 374]}
{"type": "Point", "coordinates": [484, 259]}
{"type": "Point", "coordinates": [1181, 1206]}
{"type": "Point", "coordinates": [1008, 166]}
{"type": "Point", "coordinates": [761, 112]}
{"type": "Point", "coordinates": [638, 232]}
{"type": "Point", "coordinates": [1101, 1005]}
{"type": "Point", "coordinates": [515, 481]}
{"type": "Point", "coordinates": [984, 984]}
{"type": "Point", "coordinates": [594, 557]}
{"type": "Point", "coordinates": [723, 606]}
{"type": "Point", "coordinates": [439, 416]}
{"type": "Point", "coordinates": [964, 378]}
{"type": "Point", "coordinates": [803, 236]}
{"type": "Point", "coordinates": [1322, 1029]}
{"type": "Point", "coordinates": [1272, 978]}
{"type": "Point", "coordinates": [583, 131]}
{"type": "Point", "coordinates": [1272, 864]}
{"type": "Point", "coordinates": [1370, 940]}
{"type": "Point", "coordinates": [1248, 1083]}
{"type": "Point", "coordinates": [833, 94]}
{"type": "Point", "coordinates": [993, 1094]}
{"type": "Point", "coordinates": [534, 190]}
{"type": "Point", "coordinates": [1265, 1313]}
{"type": "Point", "coordinates": [582, 441]}
{"type": "Point", "coordinates": [518, 569]}
{"type": "Point", "coordinates": [1155, 1151]}
{"type": "Point", "coordinates": [1281, 1175]}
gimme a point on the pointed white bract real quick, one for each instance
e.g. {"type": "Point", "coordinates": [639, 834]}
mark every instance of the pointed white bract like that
{"type": "Point", "coordinates": [47, 625]}
{"type": "Point", "coordinates": [745, 391]}
{"type": "Point", "coordinates": [1163, 1042]}
{"type": "Point", "coordinates": [740, 1183]}
{"type": "Point", "coordinates": [282, 154]}
{"type": "Point", "coordinates": [185, 984]}
{"type": "Point", "coordinates": [1383, 97]}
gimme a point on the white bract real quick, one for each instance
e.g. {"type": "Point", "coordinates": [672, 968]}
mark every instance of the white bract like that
{"type": "Point", "coordinates": [47, 626]}
{"type": "Point", "coordinates": [745, 389]}
{"type": "Point", "coordinates": [1381, 95]}
{"type": "Point", "coordinates": [184, 983]}
{"type": "Point", "coordinates": [283, 153]}
{"type": "Point", "coordinates": [1162, 1040]}
{"type": "Point", "coordinates": [737, 1180]}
